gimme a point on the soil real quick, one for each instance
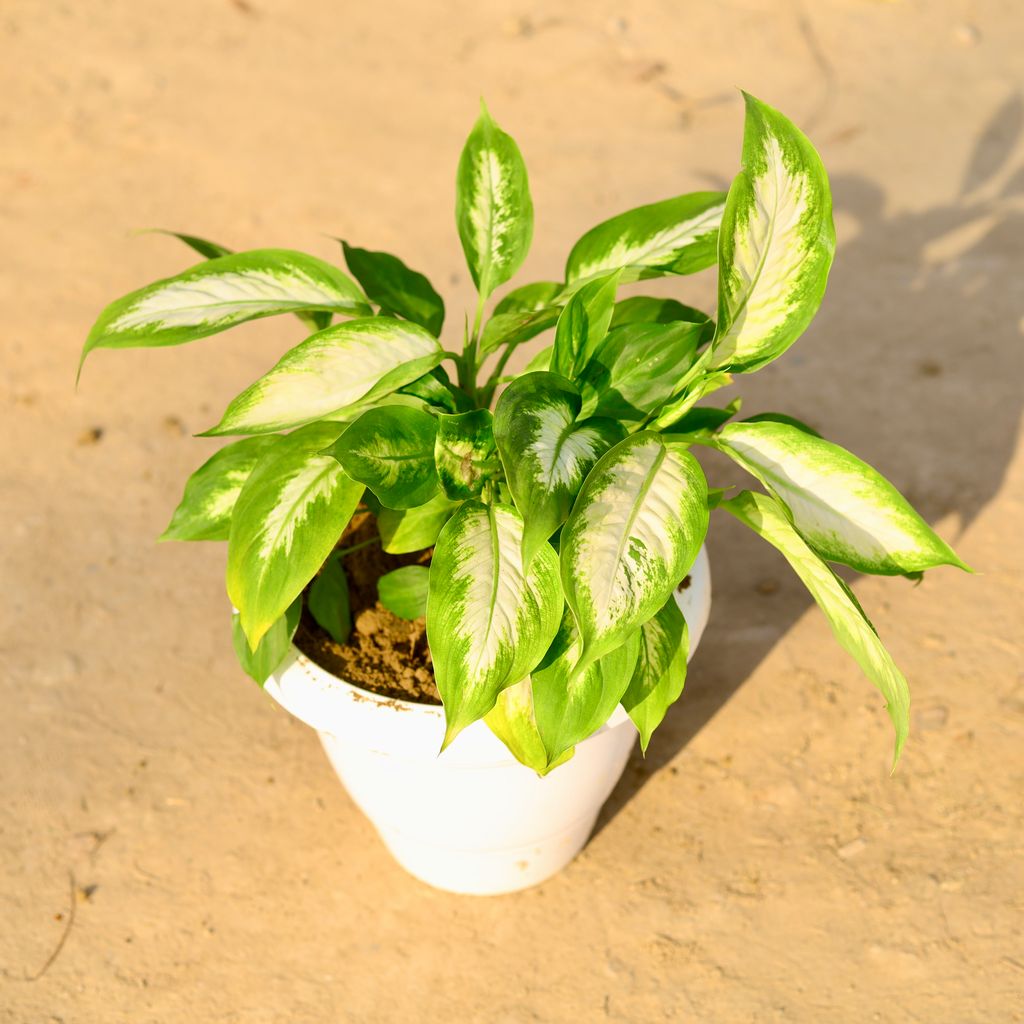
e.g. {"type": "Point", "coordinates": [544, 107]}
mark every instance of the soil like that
{"type": "Point", "coordinates": [384, 653]}
{"type": "Point", "coordinates": [762, 863]}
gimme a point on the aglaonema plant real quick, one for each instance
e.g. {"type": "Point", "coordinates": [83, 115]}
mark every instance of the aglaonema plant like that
{"type": "Point", "coordinates": [563, 505]}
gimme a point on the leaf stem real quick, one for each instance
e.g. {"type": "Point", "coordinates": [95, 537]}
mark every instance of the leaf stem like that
{"type": "Point", "coordinates": [357, 547]}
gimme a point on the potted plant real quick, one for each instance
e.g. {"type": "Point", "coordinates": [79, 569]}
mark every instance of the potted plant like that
{"type": "Point", "coordinates": [479, 588]}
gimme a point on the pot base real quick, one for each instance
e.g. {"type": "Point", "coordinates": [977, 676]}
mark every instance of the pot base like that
{"type": "Point", "coordinates": [444, 825]}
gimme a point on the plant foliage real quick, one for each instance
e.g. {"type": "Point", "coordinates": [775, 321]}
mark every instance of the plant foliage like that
{"type": "Point", "coordinates": [563, 510]}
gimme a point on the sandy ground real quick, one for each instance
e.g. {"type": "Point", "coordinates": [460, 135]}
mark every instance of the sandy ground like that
{"type": "Point", "coordinates": [761, 864]}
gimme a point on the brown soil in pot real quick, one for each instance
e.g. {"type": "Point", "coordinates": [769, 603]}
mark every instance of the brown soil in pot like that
{"type": "Point", "coordinates": [384, 654]}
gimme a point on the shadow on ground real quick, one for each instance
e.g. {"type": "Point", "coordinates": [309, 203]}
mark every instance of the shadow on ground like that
{"type": "Point", "coordinates": [915, 363]}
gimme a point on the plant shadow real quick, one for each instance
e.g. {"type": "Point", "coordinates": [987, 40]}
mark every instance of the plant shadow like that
{"type": "Point", "coordinates": [915, 362]}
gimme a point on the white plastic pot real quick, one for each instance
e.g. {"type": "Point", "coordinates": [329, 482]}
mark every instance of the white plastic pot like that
{"type": "Point", "coordinates": [472, 820]}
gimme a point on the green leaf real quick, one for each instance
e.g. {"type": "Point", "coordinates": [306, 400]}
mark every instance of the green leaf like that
{"type": "Point", "coordinates": [766, 517]}
{"type": "Point", "coordinates": [212, 490]}
{"type": "Point", "coordinates": [404, 591]}
{"type": "Point", "coordinates": [546, 453]}
{"type": "Point", "coordinates": [287, 519]}
{"type": "Point", "coordinates": [633, 534]}
{"type": "Point", "coordinates": [391, 450]}
{"type": "Point", "coordinates": [333, 373]}
{"type": "Point", "coordinates": [571, 702]}
{"type": "Point", "coordinates": [207, 249]}
{"type": "Point", "coordinates": [781, 417]}
{"type": "Point", "coordinates": [644, 309]}
{"type": "Point", "coordinates": [434, 389]}
{"type": "Point", "coordinates": [583, 324]}
{"type": "Point", "coordinates": [636, 368]}
{"type": "Point", "coordinates": [394, 287]}
{"type": "Point", "coordinates": [414, 529]}
{"type": "Point", "coordinates": [704, 419]}
{"type": "Point", "coordinates": [465, 453]}
{"type": "Point", "coordinates": [514, 328]}
{"type": "Point", "coordinates": [529, 298]}
{"type": "Point", "coordinates": [328, 600]}
{"type": "Point", "coordinates": [675, 236]}
{"type": "Point", "coordinates": [513, 721]}
{"type": "Point", "coordinates": [846, 510]}
{"type": "Point", "coordinates": [258, 664]}
{"type": "Point", "coordinates": [489, 619]}
{"type": "Point", "coordinates": [493, 209]}
{"type": "Point", "coordinates": [541, 361]}
{"type": "Point", "coordinates": [220, 293]}
{"type": "Point", "coordinates": [660, 671]}
{"type": "Point", "coordinates": [776, 243]}
{"type": "Point", "coordinates": [697, 384]}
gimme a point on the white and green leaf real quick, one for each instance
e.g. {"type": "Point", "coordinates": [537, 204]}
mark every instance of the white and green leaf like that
{"type": "Point", "coordinates": [389, 283]}
{"type": "Point", "coordinates": [465, 453]}
{"type": "Point", "coordinates": [633, 534]}
{"type": "Point", "coordinates": [204, 512]}
{"type": "Point", "coordinates": [846, 510]}
{"type": "Point", "coordinates": [414, 529]}
{"type": "Point", "coordinates": [493, 209]}
{"type": "Point", "coordinates": [391, 450]}
{"type": "Point", "coordinates": [333, 373]}
{"type": "Point", "coordinates": [855, 633]}
{"type": "Point", "coordinates": [403, 591]}
{"type": "Point", "coordinates": [776, 243]}
{"type": "Point", "coordinates": [222, 292]}
{"type": "Point", "coordinates": [258, 664]}
{"type": "Point", "coordinates": [546, 452]}
{"type": "Point", "coordinates": [288, 517]}
{"type": "Point", "coordinates": [675, 236]}
{"type": "Point", "coordinates": [490, 619]}
{"type": "Point", "coordinates": [513, 721]}
{"type": "Point", "coordinates": [660, 672]}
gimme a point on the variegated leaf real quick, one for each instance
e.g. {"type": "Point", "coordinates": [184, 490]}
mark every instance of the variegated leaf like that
{"type": "Point", "coordinates": [489, 618]}
{"type": "Point", "coordinates": [675, 236]}
{"type": "Point", "coordinates": [513, 721]}
{"type": "Point", "coordinates": [493, 209]}
{"type": "Point", "coordinates": [258, 664]}
{"type": "Point", "coordinates": [465, 453]}
{"type": "Point", "coordinates": [636, 368]}
{"type": "Point", "coordinates": [776, 243]}
{"type": "Point", "coordinates": [414, 529]}
{"type": "Point", "coordinates": [571, 702]}
{"type": "Point", "coordinates": [333, 373]}
{"type": "Point", "coordinates": [633, 534]}
{"type": "Point", "coordinates": [388, 282]}
{"type": "Point", "coordinates": [846, 510]}
{"type": "Point", "coordinates": [583, 324]}
{"type": "Point", "coordinates": [767, 517]}
{"type": "Point", "coordinates": [660, 671]}
{"type": "Point", "coordinates": [287, 519]}
{"type": "Point", "coordinates": [212, 490]}
{"type": "Point", "coordinates": [546, 453]}
{"type": "Point", "coordinates": [222, 292]}
{"type": "Point", "coordinates": [391, 450]}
